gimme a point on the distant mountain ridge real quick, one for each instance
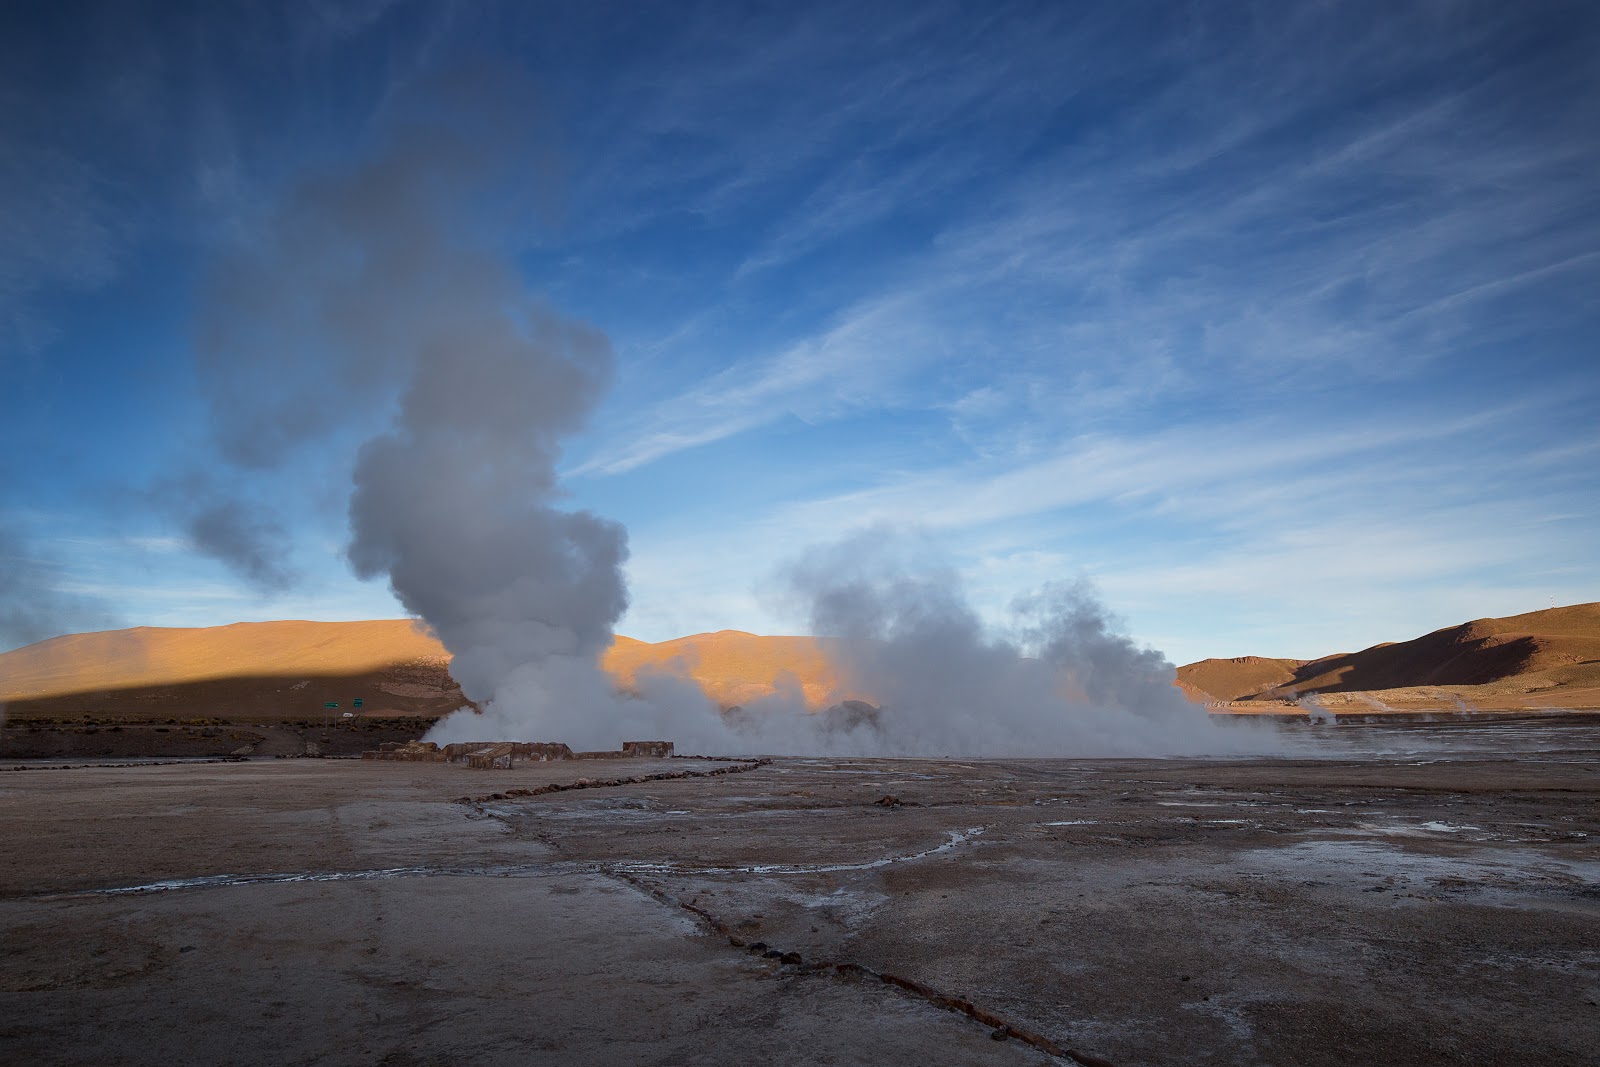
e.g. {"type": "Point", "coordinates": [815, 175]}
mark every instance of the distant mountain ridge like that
{"type": "Point", "coordinates": [293, 667]}
{"type": "Point", "coordinates": [1548, 658]}
{"type": "Point", "coordinates": [156, 655]}
{"type": "Point", "coordinates": [1541, 658]}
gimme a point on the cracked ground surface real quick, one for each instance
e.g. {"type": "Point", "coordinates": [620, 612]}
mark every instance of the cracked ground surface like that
{"type": "Point", "coordinates": [1436, 902]}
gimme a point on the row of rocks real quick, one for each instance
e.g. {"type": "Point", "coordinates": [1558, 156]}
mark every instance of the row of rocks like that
{"type": "Point", "coordinates": [503, 755]}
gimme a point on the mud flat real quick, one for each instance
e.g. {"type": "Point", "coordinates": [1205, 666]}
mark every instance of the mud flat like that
{"type": "Point", "coordinates": [1397, 897]}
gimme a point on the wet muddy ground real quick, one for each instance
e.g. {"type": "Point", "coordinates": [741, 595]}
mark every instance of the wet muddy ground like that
{"type": "Point", "coordinates": [1397, 897]}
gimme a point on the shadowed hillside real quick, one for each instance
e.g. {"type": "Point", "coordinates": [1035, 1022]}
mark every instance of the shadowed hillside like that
{"type": "Point", "coordinates": [268, 670]}
{"type": "Point", "coordinates": [1549, 657]}
{"type": "Point", "coordinates": [249, 670]}
{"type": "Point", "coordinates": [1234, 679]}
{"type": "Point", "coordinates": [274, 669]}
{"type": "Point", "coordinates": [155, 656]}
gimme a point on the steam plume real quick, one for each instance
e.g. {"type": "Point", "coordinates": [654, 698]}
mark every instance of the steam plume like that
{"type": "Point", "coordinates": [379, 284]}
{"type": "Point", "coordinates": [454, 504]}
{"type": "Point", "coordinates": [1371, 701]}
{"type": "Point", "coordinates": [239, 534]}
{"type": "Point", "coordinates": [1315, 711]}
{"type": "Point", "coordinates": [1057, 680]}
{"type": "Point", "coordinates": [361, 285]}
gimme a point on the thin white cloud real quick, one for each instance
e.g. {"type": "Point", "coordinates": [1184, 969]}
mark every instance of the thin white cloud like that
{"type": "Point", "coordinates": [1375, 522]}
{"type": "Point", "coordinates": [854, 364]}
{"type": "Point", "coordinates": [1134, 322]}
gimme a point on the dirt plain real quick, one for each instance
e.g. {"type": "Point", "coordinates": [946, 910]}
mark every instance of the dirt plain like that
{"type": "Point", "coordinates": [1426, 894]}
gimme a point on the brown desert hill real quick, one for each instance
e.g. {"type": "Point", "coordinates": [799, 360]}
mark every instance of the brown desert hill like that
{"type": "Point", "coordinates": [248, 670]}
{"type": "Point", "coordinates": [154, 656]}
{"type": "Point", "coordinates": [1550, 656]}
{"type": "Point", "coordinates": [732, 666]}
{"type": "Point", "coordinates": [291, 668]}
{"type": "Point", "coordinates": [1235, 679]}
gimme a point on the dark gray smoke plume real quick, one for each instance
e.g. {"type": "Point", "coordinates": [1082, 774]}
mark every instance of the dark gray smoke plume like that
{"type": "Point", "coordinates": [247, 541]}
{"type": "Point", "coordinates": [241, 535]}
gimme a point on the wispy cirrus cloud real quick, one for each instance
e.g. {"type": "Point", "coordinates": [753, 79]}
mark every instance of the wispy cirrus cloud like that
{"type": "Point", "coordinates": [1245, 525]}
{"type": "Point", "coordinates": [1185, 297]}
{"type": "Point", "coordinates": [1205, 233]}
{"type": "Point", "coordinates": [858, 362]}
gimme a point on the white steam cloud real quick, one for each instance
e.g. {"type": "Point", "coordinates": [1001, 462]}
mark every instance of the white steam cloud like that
{"type": "Point", "coordinates": [384, 283]}
{"type": "Point", "coordinates": [921, 675]}
{"type": "Point", "coordinates": [455, 504]}
{"type": "Point", "coordinates": [379, 283]}
{"type": "Point", "coordinates": [1057, 679]}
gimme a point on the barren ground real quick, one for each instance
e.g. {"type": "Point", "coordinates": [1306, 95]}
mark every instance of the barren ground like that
{"type": "Point", "coordinates": [1413, 896]}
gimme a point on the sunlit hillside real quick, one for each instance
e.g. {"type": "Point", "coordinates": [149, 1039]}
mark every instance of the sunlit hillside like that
{"type": "Point", "coordinates": [1541, 658]}
{"type": "Point", "coordinates": [393, 664]}
{"type": "Point", "coordinates": [1547, 658]}
{"type": "Point", "coordinates": [155, 656]}
{"type": "Point", "coordinates": [733, 667]}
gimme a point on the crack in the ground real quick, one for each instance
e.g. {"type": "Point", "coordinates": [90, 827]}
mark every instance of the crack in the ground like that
{"type": "Point", "coordinates": [1000, 1027]}
{"type": "Point", "coordinates": [223, 881]}
{"type": "Point", "coordinates": [850, 970]}
{"type": "Point", "coordinates": [605, 783]}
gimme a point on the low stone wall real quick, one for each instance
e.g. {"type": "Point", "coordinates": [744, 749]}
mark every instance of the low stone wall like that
{"type": "Point", "coordinates": [506, 754]}
{"type": "Point", "coordinates": [503, 755]}
{"type": "Point", "coordinates": [484, 754]}
{"type": "Point", "coordinates": [409, 752]}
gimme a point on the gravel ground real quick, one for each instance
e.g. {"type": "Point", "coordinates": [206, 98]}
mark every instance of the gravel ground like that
{"type": "Point", "coordinates": [1416, 896]}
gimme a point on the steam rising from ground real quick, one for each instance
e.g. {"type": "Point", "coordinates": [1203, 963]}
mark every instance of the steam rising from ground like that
{"type": "Point", "coordinates": [1315, 711]}
{"type": "Point", "coordinates": [1056, 681]}
{"type": "Point", "coordinates": [454, 504]}
{"type": "Point", "coordinates": [384, 283]}
{"type": "Point", "coordinates": [379, 282]}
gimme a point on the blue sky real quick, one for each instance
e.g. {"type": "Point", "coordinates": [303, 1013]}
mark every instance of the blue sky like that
{"type": "Point", "coordinates": [1278, 322]}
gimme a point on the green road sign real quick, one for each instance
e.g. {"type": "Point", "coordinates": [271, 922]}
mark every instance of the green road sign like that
{"type": "Point", "coordinates": [331, 704]}
{"type": "Point", "coordinates": [356, 703]}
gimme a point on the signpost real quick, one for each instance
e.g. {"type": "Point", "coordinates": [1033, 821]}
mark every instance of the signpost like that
{"type": "Point", "coordinates": [332, 706]}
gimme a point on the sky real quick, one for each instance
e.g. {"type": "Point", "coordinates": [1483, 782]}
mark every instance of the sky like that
{"type": "Point", "coordinates": [1278, 323]}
